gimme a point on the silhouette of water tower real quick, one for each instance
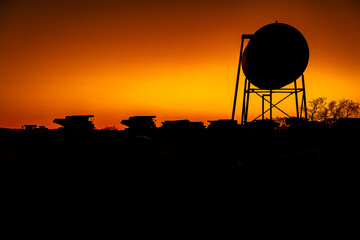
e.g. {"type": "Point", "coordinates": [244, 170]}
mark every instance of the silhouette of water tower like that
{"type": "Point", "coordinates": [276, 55]}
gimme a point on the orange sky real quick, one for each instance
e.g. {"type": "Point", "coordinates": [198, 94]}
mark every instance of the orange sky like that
{"type": "Point", "coordinates": [172, 59]}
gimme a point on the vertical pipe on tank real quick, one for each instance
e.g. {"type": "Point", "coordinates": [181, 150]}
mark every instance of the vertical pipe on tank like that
{"type": "Point", "coordinates": [244, 107]}
{"type": "Point", "coordinates": [296, 100]}
{"type": "Point", "coordinates": [301, 107]}
{"type": "Point", "coordinates": [271, 105]}
{"type": "Point", "coordinates": [263, 109]}
{"type": "Point", "coordinates": [247, 99]}
{"type": "Point", "coordinates": [304, 96]}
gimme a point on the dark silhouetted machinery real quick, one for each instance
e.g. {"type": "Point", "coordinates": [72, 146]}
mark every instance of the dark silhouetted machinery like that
{"type": "Point", "coordinates": [276, 55]}
{"type": "Point", "coordinates": [140, 125]}
{"type": "Point", "coordinates": [76, 124]}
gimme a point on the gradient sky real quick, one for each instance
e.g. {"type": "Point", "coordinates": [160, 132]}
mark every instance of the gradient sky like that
{"type": "Point", "coordinates": [172, 59]}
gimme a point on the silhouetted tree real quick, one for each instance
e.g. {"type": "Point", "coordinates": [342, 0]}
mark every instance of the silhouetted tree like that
{"type": "Point", "coordinates": [281, 121]}
{"type": "Point", "coordinates": [334, 109]}
{"type": "Point", "coordinates": [113, 128]}
{"type": "Point", "coordinates": [319, 110]}
{"type": "Point", "coordinates": [316, 108]}
{"type": "Point", "coordinates": [348, 108]}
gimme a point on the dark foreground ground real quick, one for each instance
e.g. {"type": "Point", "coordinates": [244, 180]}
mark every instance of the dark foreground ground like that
{"type": "Point", "coordinates": [249, 175]}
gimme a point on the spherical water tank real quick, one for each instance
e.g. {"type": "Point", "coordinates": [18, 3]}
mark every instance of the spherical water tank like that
{"type": "Point", "coordinates": [276, 55]}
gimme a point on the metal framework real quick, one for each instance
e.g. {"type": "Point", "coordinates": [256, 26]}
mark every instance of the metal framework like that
{"type": "Point", "coordinates": [263, 93]}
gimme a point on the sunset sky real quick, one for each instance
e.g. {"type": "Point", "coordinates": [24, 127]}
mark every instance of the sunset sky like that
{"type": "Point", "coordinates": [172, 59]}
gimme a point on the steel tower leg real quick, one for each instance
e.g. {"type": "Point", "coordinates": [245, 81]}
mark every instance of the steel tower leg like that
{"type": "Point", "coordinates": [243, 37]}
{"type": "Point", "coordinates": [237, 79]}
